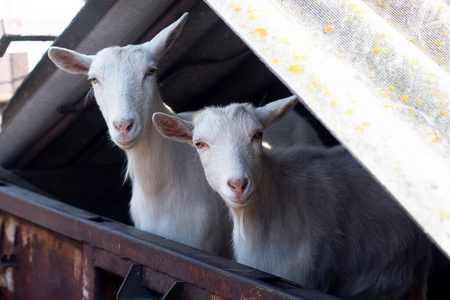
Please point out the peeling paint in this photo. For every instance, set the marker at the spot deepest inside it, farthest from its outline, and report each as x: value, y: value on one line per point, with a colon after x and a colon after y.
x: 77, y: 264
x: 7, y: 279
x: 86, y: 285
x: 10, y: 230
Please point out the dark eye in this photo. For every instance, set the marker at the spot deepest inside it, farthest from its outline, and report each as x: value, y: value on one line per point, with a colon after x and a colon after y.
x: 94, y: 80
x: 150, y: 72
x: 199, y: 145
x: 258, y: 135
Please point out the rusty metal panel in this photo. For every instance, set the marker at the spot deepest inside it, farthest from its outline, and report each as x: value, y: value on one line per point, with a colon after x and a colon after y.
x: 47, y: 265
x: 51, y: 250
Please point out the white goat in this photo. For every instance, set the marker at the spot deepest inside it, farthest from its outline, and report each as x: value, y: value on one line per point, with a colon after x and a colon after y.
x: 309, y: 214
x: 167, y: 199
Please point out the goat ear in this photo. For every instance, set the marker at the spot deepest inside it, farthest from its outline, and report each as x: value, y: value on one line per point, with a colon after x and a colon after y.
x: 173, y: 127
x: 164, y: 39
x: 70, y: 61
x: 275, y: 110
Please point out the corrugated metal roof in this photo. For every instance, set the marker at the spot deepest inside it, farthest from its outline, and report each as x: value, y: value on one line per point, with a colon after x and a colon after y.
x: 384, y: 97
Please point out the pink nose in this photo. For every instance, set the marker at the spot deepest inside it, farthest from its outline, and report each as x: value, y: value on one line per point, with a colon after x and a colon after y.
x: 123, y: 126
x: 238, y: 185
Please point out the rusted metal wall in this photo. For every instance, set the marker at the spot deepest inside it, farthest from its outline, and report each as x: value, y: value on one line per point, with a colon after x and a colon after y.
x: 37, y: 263
x: 50, y: 250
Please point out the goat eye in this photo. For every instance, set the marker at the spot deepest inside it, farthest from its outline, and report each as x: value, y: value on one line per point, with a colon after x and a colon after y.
x: 258, y: 135
x: 94, y: 80
x: 150, y: 72
x: 199, y: 145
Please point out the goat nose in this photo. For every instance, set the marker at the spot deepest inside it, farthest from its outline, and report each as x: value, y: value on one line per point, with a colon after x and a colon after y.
x: 123, y: 126
x: 238, y: 185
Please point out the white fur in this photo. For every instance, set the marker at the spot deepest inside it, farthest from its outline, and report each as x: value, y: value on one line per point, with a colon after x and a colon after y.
x: 170, y: 196
x: 309, y: 214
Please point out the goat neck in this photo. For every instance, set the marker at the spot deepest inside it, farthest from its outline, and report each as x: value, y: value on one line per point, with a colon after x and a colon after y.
x: 158, y: 168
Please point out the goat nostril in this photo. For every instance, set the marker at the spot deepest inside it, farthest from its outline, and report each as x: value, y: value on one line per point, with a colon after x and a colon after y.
x: 244, y: 183
x: 130, y: 126
x: 231, y: 184
x: 123, y: 126
x: 238, y: 185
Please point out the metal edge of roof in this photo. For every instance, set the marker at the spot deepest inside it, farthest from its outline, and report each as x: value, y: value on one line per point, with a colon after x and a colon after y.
x: 33, y: 109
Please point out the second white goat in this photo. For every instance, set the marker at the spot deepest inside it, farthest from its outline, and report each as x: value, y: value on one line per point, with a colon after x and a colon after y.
x: 311, y: 215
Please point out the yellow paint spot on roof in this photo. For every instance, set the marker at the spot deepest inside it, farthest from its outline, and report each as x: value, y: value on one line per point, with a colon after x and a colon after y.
x: 243, y: 25
x: 405, y: 98
x: 329, y: 29
x: 352, y: 6
x: 433, y: 74
x: 251, y: 17
x: 376, y: 50
x: 420, y: 102
x: 412, y: 111
x: 260, y: 31
x: 237, y: 9
x: 362, y: 127
x: 444, y: 112
x: 275, y: 60
x: 442, y: 213
x: 437, y: 42
x: 333, y: 103
x: 349, y: 111
x: 296, y: 69
x: 392, y: 87
x: 436, y: 138
x: 385, y: 94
